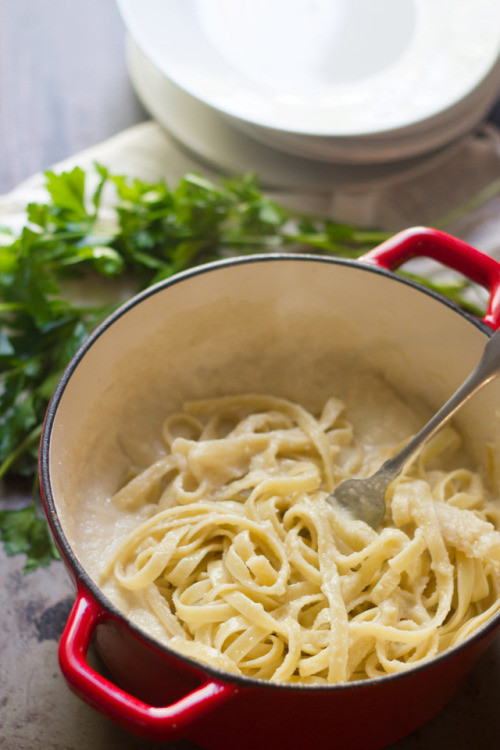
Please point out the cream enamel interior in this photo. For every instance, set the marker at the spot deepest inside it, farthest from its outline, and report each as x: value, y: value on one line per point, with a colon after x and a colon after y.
x: 285, y: 326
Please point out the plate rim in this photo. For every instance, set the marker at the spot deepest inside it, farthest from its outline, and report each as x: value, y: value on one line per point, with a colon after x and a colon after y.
x: 134, y: 15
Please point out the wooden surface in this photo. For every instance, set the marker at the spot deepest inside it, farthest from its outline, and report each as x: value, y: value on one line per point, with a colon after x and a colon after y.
x: 63, y: 82
x: 64, y: 87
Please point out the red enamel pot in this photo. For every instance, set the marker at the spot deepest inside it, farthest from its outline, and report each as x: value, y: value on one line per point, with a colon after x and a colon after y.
x: 274, y: 323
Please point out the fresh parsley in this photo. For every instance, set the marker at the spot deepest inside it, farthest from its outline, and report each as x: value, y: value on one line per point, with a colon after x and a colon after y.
x: 74, y: 241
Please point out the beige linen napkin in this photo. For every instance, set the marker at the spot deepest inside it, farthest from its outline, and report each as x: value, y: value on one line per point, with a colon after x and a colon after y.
x: 443, y: 183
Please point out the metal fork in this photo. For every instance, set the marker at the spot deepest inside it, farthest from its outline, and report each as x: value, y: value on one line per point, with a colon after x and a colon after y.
x: 365, y: 498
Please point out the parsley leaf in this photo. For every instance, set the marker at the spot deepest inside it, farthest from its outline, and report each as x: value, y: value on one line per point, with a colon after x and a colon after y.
x: 25, y: 531
x: 67, y: 191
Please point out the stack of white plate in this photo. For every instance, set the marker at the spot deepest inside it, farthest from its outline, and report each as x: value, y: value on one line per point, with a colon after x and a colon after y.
x: 316, y: 92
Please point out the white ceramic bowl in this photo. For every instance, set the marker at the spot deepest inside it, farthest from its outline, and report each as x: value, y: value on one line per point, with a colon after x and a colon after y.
x: 348, y: 68
x: 236, y: 148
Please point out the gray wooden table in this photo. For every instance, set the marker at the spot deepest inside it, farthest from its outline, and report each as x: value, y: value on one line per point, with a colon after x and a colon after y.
x: 64, y: 87
x: 63, y: 83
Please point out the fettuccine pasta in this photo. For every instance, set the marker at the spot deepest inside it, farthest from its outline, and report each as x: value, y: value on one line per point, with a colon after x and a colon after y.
x: 243, y: 564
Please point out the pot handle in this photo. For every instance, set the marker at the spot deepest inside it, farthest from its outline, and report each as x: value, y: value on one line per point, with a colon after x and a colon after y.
x: 452, y: 252
x: 159, y: 723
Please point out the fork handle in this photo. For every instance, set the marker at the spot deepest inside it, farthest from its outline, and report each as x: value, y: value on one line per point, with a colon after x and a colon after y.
x: 487, y: 368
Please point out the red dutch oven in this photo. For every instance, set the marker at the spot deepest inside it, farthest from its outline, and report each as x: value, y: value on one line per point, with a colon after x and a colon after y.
x: 279, y: 323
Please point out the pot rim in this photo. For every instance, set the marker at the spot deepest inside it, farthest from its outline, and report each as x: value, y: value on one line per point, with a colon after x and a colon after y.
x: 84, y: 580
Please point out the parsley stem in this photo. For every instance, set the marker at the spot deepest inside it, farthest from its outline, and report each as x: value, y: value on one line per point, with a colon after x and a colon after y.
x: 28, y: 441
x: 11, y: 306
x: 476, y: 202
